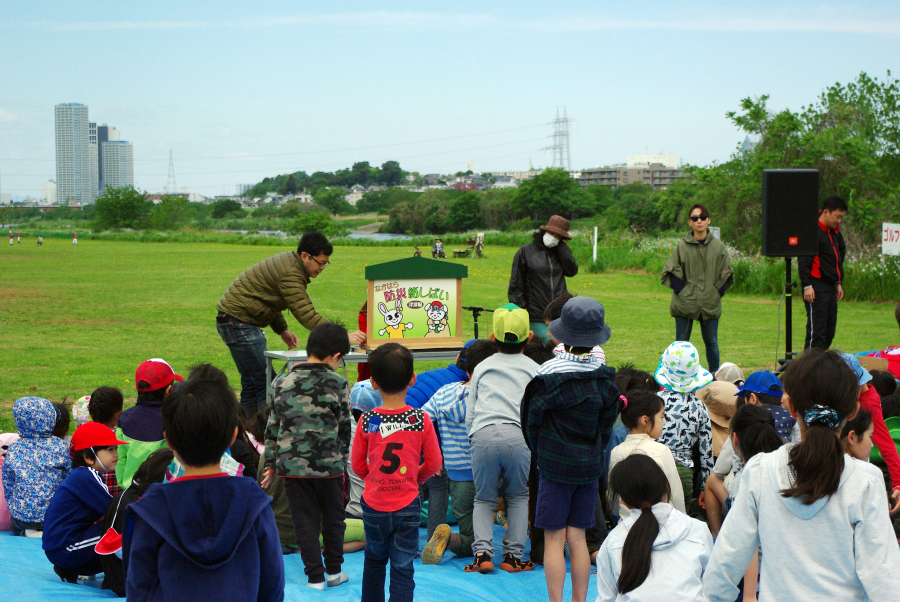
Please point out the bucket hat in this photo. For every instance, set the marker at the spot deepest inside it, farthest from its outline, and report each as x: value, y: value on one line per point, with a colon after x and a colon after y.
x: 581, y: 323
x: 680, y: 370
x: 557, y: 225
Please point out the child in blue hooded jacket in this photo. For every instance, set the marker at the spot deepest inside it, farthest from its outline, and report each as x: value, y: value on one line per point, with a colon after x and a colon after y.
x: 35, y: 465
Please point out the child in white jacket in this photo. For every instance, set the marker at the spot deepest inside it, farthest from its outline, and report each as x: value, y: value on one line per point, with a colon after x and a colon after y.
x: 656, y: 552
x: 819, y: 516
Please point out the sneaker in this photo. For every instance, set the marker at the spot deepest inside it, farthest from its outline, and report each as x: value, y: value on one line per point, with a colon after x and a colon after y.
x: 481, y: 565
x: 337, y: 579
x: 511, y: 564
x: 65, y: 574
x: 319, y: 586
x: 434, y: 549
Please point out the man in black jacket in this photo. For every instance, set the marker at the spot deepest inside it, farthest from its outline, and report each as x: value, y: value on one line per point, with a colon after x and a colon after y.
x: 539, y: 271
x: 822, y: 275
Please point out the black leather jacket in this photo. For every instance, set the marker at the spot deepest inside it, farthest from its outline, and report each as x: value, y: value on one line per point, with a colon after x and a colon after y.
x: 539, y: 276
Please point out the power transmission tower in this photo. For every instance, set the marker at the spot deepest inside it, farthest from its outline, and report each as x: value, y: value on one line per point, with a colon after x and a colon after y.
x: 560, y: 146
x: 170, y: 184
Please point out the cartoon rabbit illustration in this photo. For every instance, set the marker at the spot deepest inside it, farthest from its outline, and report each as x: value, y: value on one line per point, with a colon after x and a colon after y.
x: 393, y: 319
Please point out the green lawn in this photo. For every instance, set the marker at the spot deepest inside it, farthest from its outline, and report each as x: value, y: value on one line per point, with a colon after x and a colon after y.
x: 75, y: 318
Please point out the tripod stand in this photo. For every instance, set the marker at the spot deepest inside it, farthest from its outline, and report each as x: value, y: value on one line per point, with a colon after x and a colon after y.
x: 476, y: 311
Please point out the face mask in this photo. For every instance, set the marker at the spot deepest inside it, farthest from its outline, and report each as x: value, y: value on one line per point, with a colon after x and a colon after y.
x: 550, y: 241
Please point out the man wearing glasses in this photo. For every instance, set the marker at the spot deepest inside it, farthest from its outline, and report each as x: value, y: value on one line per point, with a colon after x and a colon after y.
x: 256, y: 299
x: 699, y: 272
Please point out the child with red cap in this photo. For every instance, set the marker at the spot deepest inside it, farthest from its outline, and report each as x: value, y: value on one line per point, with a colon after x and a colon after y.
x: 141, y: 426
x: 73, y: 521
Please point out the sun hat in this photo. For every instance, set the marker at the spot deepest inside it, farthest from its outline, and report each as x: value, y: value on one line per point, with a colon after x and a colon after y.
x: 557, y: 225
x: 157, y: 372
x: 511, y: 319
x: 729, y: 372
x: 94, y: 434
x: 862, y: 374
x: 762, y: 383
x: 718, y: 397
x: 581, y: 323
x: 679, y: 369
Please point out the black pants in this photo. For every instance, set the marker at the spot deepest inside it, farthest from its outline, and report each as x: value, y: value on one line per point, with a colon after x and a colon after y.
x: 317, y: 507
x: 821, y: 317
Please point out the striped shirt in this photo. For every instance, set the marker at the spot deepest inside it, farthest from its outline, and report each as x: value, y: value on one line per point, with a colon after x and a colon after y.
x: 569, y: 362
x: 447, y: 410
x: 596, y: 351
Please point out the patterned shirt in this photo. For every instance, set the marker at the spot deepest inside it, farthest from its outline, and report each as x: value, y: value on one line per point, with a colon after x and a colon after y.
x: 596, y: 351
x: 687, y: 422
x: 569, y: 362
x: 447, y: 410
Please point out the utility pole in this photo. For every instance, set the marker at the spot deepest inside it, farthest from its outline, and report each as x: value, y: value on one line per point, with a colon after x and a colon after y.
x: 170, y: 184
x: 560, y: 147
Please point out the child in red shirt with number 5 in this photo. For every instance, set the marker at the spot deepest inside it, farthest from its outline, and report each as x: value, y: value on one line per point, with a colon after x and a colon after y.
x: 388, y: 444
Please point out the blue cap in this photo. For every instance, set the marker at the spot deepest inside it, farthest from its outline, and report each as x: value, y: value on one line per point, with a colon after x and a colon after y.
x: 862, y: 374
x: 762, y: 383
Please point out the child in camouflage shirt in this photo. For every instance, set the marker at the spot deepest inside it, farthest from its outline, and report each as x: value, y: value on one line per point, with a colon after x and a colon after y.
x: 307, y: 441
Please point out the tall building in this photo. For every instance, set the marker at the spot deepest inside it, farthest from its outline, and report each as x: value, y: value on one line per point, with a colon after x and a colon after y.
x: 104, y: 133
x: 118, y: 163
x: 95, y: 167
x: 48, y: 192
x: 76, y: 167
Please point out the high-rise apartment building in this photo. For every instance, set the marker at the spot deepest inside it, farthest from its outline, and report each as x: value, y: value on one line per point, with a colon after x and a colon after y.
x: 118, y: 163
x: 76, y: 166
x: 104, y: 133
x: 95, y: 158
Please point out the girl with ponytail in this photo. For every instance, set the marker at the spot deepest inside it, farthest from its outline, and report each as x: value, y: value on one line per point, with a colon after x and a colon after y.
x: 820, y: 516
x: 656, y: 552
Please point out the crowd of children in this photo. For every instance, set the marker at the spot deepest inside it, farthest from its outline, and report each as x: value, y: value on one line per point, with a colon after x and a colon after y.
x: 777, y: 469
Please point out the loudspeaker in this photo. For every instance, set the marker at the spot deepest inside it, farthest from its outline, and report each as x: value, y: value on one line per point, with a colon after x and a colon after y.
x: 790, y: 210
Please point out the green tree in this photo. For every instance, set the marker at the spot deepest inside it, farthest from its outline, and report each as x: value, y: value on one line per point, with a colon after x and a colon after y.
x: 225, y: 207
x: 361, y: 173
x: 381, y: 201
x: 333, y: 200
x: 464, y: 213
x: 391, y: 174
x: 551, y: 192
x: 123, y: 207
x: 171, y: 213
x: 290, y: 186
x: 310, y: 221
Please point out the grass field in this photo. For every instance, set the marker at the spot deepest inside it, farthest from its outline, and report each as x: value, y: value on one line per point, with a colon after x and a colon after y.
x: 75, y: 318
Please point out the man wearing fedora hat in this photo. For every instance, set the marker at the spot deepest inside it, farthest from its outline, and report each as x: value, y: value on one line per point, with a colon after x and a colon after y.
x: 539, y: 271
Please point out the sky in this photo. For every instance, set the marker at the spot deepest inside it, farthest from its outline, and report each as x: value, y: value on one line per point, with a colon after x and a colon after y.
x: 240, y: 91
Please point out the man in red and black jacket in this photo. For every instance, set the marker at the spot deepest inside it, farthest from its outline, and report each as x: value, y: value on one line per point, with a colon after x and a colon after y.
x: 821, y: 276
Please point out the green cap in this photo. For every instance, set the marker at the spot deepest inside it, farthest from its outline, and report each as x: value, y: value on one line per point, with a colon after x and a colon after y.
x: 510, y: 319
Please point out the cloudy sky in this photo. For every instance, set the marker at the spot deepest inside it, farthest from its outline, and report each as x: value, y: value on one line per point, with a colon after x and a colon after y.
x: 239, y: 91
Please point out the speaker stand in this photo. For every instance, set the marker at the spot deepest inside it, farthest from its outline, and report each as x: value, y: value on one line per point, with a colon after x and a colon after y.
x: 788, y: 296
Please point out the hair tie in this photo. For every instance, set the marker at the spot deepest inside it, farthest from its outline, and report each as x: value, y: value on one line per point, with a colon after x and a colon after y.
x: 624, y: 401
x: 646, y: 506
x: 820, y: 414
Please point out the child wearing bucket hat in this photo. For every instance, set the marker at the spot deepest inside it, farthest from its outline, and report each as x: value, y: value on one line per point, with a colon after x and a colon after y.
x: 568, y: 413
x: 73, y: 522
x: 687, y: 420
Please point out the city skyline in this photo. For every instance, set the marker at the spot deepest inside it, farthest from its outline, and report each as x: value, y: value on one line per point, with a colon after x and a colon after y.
x: 243, y: 93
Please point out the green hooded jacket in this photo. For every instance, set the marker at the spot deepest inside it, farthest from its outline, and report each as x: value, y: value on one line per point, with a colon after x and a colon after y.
x: 704, y: 268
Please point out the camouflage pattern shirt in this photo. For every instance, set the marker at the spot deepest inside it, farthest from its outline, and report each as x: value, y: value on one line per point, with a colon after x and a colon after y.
x: 308, y: 433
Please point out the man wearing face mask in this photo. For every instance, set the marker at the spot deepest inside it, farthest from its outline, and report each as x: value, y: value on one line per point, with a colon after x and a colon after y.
x: 539, y: 271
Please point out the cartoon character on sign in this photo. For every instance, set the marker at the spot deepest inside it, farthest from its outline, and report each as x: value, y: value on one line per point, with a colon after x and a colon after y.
x: 437, y: 319
x: 393, y: 320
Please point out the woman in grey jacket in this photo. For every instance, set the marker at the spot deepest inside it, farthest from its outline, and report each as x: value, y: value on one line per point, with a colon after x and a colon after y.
x: 699, y: 272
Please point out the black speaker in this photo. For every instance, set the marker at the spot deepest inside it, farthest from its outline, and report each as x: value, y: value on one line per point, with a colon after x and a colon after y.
x: 790, y: 210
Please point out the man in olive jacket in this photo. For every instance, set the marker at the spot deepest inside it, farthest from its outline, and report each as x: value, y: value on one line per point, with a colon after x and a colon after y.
x: 256, y: 299
x: 699, y: 272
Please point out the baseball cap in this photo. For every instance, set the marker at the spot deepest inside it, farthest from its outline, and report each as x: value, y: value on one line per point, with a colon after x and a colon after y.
x: 581, y: 323
x: 157, y: 372
x: 862, y: 374
x: 94, y: 434
x: 729, y: 372
x: 762, y: 383
x: 510, y: 319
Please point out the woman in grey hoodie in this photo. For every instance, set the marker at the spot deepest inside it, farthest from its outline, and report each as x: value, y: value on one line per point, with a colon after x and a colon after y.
x: 819, y: 516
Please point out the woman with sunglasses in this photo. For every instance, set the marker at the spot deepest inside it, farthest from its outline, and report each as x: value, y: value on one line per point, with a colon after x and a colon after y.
x: 699, y: 272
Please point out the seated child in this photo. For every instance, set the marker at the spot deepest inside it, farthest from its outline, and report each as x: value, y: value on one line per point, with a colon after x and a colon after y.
x: 568, y: 411
x: 35, y: 465
x: 206, y: 535
x: 141, y: 426
x: 856, y: 436
x: 553, y: 312
x: 643, y: 414
x: 63, y: 420
x: 687, y: 421
x: 307, y: 442
x: 388, y: 445
x: 666, y: 551
x: 105, y: 406
x: 73, y: 523
x: 884, y: 382
x: 5, y: 520
x: 153, y: 470
x: 447, y: 410
x: 493, y: 421
x: 362, y: 399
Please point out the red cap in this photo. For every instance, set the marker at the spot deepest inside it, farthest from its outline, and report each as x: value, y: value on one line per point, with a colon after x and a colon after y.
x: 157, y: 372
x: 94, y: 434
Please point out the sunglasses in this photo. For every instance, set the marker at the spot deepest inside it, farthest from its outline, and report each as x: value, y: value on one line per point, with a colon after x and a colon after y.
x: 699, y: 218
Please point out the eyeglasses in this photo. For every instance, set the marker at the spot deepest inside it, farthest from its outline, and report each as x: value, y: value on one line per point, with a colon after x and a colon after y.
x: 699, y: 218
x: 322, y: 264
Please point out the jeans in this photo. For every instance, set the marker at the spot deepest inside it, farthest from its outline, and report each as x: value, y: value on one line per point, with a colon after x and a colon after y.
x: 390, y: 536
x: 499, y: 452
x: 709, y: 329
x: 247, y: 344
x: 438, y: 500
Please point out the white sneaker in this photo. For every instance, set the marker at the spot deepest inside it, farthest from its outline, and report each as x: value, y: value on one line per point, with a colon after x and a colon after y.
x: 34, y: 533
x: 335, y: 580
x: 319, y: 586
